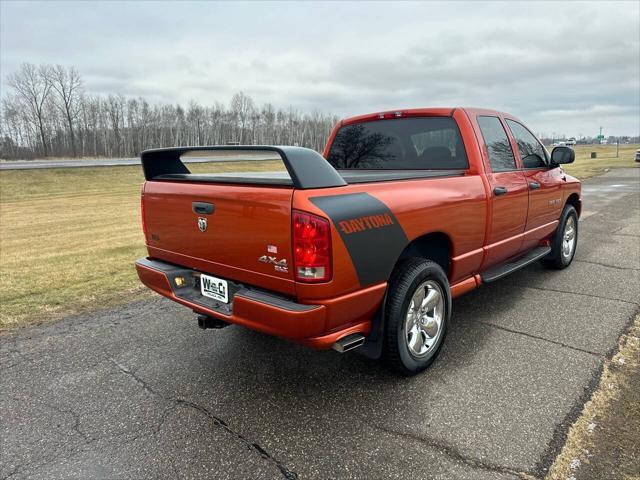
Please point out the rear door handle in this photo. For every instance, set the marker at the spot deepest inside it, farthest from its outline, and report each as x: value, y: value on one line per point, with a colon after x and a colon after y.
x: 534, y: 185
x: 202, y: 208
x: 499, y: 191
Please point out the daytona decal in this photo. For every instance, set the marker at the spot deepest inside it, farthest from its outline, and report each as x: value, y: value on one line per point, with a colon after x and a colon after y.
x: 370, y: 232
x: 364, y: 223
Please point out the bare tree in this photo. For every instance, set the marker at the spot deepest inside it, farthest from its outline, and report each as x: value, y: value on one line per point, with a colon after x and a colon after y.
x: 115, y: 111
x: 48, y: 111
x: 33, y: 86
x: 242, y: 108
x: 68, y: 86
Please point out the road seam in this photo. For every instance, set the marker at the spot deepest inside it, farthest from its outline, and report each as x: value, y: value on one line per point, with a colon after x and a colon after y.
x: 608, y: 266
x: 530, y: 335
x: 622, y: 227
x: 583, y: 295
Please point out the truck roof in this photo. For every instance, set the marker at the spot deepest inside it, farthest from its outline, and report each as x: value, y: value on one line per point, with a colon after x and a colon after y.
x: 418, y: 112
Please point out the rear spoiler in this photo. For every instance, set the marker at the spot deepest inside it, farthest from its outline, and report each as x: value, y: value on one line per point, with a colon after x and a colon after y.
x: 306, y: 167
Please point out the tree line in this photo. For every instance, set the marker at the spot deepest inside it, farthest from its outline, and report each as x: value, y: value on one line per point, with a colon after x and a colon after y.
x: 48, y: 113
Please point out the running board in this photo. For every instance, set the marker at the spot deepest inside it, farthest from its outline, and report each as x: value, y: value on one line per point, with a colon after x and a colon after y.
x: 505, y: 269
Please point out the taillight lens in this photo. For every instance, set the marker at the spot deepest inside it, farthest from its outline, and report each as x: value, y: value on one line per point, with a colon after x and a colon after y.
x: 144, y: 221
x: 311, y: 247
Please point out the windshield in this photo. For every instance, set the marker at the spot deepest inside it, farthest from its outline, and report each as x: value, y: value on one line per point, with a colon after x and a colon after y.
x: 423, y: 143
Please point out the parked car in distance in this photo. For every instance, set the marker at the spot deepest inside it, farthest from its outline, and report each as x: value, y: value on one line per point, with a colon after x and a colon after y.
x: 638, y: 155
x: 571, y: 142
x: 366, y: 246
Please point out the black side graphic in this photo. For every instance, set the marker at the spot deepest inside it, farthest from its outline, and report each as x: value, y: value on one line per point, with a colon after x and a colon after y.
x: 371, y: 233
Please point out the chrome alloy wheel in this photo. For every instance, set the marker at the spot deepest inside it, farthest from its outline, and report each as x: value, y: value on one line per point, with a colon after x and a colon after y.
x: 569, y: 238
x: 423, y: 323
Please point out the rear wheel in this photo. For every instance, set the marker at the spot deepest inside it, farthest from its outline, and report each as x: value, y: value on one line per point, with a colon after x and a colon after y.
x: 565, y: 240
x: 417, y: 313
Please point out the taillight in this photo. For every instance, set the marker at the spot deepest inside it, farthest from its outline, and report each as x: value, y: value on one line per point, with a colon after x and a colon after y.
x: 311, y: 247
x: 144, y: 221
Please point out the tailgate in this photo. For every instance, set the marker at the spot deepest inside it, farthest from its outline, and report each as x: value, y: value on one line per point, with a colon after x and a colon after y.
x: 238, y: 232
x: 236, y: 226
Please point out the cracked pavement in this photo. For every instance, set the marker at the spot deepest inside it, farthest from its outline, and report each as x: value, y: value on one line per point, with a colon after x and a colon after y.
x: 140, y: 392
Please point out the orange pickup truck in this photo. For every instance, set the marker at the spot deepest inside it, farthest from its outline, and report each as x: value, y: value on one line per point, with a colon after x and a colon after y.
x: 365, y: 246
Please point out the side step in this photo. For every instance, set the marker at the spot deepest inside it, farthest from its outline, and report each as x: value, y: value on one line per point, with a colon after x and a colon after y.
x: 505, y: 269
x: 349, y: 342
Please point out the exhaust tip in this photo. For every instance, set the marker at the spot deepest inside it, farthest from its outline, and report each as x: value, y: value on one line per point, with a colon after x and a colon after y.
x: 349, y: 342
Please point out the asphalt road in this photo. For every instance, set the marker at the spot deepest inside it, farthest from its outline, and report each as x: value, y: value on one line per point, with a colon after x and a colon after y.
x: 105, y: 162
x: 140, y: 392
x: 67, y: 163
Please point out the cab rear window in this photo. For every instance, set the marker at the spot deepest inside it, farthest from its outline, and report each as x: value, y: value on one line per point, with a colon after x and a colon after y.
x: 423, y: 143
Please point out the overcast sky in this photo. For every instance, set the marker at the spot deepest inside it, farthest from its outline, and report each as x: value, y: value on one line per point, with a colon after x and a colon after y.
x: 561, y: 67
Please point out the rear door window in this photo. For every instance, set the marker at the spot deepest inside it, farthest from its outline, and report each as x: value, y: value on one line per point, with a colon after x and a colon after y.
x: 418, y: 143
x: 501, y: 156
x: 532, y: 153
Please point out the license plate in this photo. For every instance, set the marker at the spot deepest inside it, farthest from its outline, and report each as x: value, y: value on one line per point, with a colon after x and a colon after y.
x: 215, y: 288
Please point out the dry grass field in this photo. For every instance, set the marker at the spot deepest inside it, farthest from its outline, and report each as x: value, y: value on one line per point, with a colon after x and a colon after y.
x: 68, y: 237
x: 585, y: 166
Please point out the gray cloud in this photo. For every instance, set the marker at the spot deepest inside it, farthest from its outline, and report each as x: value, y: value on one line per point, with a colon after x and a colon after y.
x: 563, y: 67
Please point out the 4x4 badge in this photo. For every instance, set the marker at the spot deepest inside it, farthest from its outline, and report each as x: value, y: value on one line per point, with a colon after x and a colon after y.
x: 278, y: 265
x: 202, y: 224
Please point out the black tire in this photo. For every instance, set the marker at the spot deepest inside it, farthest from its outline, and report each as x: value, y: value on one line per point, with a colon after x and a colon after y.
x: 556, y: 260
x: 404, y: 283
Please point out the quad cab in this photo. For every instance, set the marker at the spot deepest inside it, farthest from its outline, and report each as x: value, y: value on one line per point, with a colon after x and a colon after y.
x: 365, y: 246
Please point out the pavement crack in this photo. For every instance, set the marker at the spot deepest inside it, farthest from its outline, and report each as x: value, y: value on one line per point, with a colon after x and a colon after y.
x: 217, y: 421
x: 75, y: 426
x: 165, y: 414
x: 607, y: 265
x: 537, y: 337
x: 590, y: 295
x: 76, y: 422
x: 42, y: 461
x: 455, y: 454
x: 13, y: 472
x: 133, y: 375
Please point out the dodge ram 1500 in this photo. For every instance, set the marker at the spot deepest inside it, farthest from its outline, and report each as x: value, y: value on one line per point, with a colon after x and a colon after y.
x: 365, y: 246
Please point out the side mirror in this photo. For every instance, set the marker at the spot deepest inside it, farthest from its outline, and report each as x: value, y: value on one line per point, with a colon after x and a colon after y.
x: 562, y: 155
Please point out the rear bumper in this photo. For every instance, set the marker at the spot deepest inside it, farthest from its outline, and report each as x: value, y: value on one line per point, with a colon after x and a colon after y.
x: 253, y: 308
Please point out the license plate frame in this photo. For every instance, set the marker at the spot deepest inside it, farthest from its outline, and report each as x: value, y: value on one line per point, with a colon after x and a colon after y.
x: 215, y: 288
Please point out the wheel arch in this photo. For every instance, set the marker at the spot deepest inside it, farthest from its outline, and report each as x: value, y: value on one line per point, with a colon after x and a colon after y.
x: 575, y: 202
x: 435, y: 246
